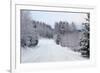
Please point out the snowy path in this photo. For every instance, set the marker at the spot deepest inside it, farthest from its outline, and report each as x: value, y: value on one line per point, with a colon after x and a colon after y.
x: 47, y: 50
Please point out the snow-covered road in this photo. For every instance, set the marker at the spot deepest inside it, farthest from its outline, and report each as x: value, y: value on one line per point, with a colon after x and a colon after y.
x: 47, y: 51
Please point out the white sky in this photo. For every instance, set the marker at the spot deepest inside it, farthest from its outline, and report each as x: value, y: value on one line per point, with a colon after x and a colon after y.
x: 52, y: 17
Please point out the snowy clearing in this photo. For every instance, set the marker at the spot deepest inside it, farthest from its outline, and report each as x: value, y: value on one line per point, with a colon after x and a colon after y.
x: 47, y: 51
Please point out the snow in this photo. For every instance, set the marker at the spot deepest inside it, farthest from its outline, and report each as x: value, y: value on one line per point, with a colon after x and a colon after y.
x: 47, y: 51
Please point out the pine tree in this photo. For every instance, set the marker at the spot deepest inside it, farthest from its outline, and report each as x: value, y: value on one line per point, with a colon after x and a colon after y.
x: 73, y: 27
x: 84, y: 43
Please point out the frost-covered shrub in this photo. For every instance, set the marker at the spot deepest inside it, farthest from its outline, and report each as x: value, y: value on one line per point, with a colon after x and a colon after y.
x: 33, y: 42
x: 29, y: 41
x: 23, y: 43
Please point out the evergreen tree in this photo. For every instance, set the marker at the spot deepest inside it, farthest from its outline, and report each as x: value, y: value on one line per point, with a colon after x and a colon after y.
x: 73, y: 27
x: 84, y: 43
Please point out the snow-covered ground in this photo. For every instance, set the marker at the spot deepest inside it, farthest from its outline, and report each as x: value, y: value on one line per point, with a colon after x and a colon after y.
x: 47, y: 51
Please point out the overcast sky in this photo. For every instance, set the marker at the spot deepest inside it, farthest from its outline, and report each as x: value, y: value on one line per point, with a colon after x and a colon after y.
x: 52, y: 17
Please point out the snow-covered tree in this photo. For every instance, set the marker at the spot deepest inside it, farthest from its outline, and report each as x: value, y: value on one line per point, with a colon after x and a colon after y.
x: 61, y: 28
x: 84, y: 43
x: 28, y: 33
x: 73, y: 27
